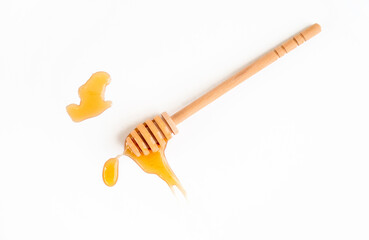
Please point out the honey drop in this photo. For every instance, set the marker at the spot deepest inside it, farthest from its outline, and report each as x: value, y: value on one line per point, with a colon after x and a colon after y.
x: 110, y: 172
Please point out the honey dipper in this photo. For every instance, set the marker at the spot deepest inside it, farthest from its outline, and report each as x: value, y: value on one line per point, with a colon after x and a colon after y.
x: 152, y: 135
x: 147, y: 142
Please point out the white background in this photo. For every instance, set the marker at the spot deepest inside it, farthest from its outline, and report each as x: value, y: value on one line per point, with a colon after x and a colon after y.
x: 282, y: 156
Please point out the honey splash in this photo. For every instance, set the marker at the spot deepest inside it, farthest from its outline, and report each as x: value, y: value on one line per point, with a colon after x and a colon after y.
x: 92, y: 95
x: 153, y: 163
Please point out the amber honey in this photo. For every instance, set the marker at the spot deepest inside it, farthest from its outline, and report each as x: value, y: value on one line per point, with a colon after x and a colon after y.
x: 92, y: 95
x: 156, y: 163
x: 92, y: 104
x: 110, y: 171
x: 153, y: 163
x: 146, y: 146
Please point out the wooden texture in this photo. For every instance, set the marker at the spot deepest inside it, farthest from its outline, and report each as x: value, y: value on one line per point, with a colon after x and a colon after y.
x: 245, y: 73
x: 156, y: 132
x: 152, y: 135
x: 170, y: 122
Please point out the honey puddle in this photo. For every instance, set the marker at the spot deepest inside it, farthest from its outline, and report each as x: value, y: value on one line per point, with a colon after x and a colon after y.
x: 92, y: 98
x: 153, y: 163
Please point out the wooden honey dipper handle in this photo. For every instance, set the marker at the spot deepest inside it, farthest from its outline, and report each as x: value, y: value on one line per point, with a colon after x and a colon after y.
x: 245, y: 73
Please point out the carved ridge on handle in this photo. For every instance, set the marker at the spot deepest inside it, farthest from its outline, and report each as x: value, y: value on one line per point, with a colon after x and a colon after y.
x: 247, y: 72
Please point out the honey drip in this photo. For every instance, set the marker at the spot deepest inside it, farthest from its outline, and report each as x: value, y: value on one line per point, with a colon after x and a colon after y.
x: 92, y: 98
x: 156, y: 163
x: 153, y: 163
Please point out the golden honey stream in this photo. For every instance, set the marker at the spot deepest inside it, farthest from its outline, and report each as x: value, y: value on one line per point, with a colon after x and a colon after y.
x: 153, y: 163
